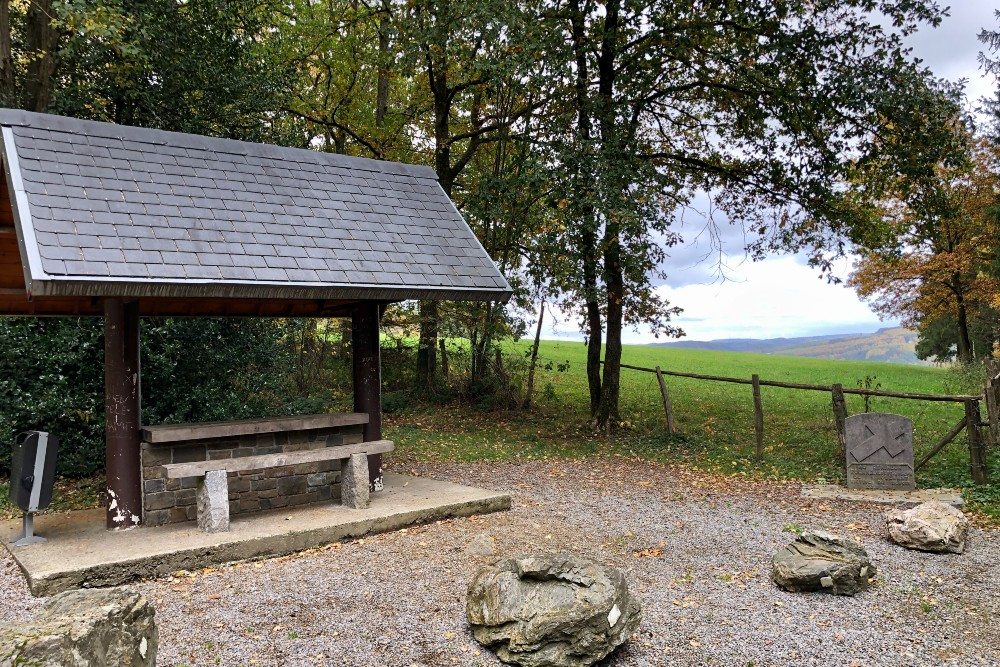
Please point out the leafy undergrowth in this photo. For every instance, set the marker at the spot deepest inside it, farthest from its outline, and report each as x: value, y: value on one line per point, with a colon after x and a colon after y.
x: 69, y: 494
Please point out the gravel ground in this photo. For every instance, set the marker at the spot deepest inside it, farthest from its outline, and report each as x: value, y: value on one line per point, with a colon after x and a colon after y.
x: 695, y: 548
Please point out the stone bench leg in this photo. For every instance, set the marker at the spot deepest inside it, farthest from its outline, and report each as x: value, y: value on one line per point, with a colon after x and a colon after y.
x: 213, y: 502
x: 354, y: 482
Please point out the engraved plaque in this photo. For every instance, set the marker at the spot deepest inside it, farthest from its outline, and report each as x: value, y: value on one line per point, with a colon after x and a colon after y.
x: 880, y: 452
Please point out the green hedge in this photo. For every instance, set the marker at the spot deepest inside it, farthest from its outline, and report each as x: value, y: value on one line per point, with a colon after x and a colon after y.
x: 52, y: 378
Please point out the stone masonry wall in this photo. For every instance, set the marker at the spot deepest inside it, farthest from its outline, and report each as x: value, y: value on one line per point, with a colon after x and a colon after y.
x: 173, y: 500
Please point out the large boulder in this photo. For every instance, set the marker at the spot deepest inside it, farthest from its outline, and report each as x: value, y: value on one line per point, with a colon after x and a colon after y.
x: 931, y: 526
x: 820, y: 561
x: 85, y: 628
x: 555, y: 610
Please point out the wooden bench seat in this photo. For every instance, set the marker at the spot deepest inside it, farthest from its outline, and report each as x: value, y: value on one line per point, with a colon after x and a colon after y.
x: 264, y: 461
x: 213, y: 485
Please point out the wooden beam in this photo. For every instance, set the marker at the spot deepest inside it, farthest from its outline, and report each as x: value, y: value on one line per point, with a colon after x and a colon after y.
x: 122, y: 413
x: 758, y: 417
x: 16, y: 303
x: 813, y: 387
x: 840, y: 420
x: 207, y: 431
x: 991, y: 392
x: 368, y: 379
x: 668, y: 406
x: 977, y: 448
x: 949, y: 436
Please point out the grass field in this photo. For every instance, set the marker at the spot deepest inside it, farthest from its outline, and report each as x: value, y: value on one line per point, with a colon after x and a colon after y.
x: 716, y: 419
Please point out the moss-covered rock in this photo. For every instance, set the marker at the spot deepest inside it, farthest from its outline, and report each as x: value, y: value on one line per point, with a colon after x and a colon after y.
x: 85, y: 628
x: 551, y: 610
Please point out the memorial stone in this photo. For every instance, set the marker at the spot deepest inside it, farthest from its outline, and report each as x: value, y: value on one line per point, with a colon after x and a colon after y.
x: 880, y: 452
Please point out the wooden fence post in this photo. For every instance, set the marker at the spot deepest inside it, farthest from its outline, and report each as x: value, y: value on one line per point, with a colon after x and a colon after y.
x: 758, y: 416
x: 992, y: 394
x: 668, y: 408
x: 840, y: 420
x: 977, y: 449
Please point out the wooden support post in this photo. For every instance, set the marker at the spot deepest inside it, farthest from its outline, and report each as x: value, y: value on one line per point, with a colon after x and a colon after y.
x: 992, y: 394
x: 368, y: 379
x: 840, y: 420
x: 758, y: 416
x: 122, y: 413
x: 668, y: 407
x: 977, y: 448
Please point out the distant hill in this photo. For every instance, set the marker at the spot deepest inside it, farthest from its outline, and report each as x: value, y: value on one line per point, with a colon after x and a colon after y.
x: 894, y: 344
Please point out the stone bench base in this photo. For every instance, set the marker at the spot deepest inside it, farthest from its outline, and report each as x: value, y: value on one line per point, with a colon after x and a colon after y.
x: 213, y: 493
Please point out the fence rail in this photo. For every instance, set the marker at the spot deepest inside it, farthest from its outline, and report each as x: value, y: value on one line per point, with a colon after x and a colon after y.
x: 972, y: 421
x: 952, y: 398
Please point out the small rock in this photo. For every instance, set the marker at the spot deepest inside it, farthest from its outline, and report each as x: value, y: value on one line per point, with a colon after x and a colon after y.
x: 481, y: 545
x: 551, y: 610
x: 930, y: 526
x: 85, y: 628
x: 820, y: 561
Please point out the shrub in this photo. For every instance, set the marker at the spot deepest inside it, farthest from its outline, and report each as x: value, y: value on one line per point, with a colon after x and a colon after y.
x: 397, y: 401
x: 209, y: 369
x: 52, y: 378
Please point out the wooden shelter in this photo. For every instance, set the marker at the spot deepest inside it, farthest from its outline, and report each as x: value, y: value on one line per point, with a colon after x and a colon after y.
x: 98, y: 219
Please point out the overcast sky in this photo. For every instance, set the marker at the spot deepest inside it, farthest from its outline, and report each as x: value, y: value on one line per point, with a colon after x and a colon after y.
x: 781, y: 296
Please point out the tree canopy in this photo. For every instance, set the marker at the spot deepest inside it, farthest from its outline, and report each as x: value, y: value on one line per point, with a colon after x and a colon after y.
x: 570, y: 133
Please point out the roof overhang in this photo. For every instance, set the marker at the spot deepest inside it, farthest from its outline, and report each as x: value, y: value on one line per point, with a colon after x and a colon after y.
x: 60, y: 286
x: 29, y: 286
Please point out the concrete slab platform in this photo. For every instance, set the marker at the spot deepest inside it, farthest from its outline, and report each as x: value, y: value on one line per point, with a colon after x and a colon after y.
x: 79, y: 552
x: 882, y: 496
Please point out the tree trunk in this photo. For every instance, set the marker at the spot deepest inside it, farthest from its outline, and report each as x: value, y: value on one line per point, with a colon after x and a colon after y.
x: 529, y: 390
x: 427, y: 347
x: 42, y: 40
x: 444, y: 358
x: 8, y: 94
x: 481, y: 347
x: 607, y: 412
x: 429, y: 311
x: 588, y: 238
x: 614, y: 281
x: 382, y: 89
x: 595, y: 327
x: 964, y: 339
x: 595, y: 343
x: 305, y: 374
x: 344, y: 346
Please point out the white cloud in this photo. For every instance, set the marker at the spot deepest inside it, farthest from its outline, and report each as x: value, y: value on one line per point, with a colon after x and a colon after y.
x: 778, y: 297
x: 769, y: 299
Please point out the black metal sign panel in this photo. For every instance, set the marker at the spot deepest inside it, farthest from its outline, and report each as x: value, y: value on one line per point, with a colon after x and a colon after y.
x: 33, y: 470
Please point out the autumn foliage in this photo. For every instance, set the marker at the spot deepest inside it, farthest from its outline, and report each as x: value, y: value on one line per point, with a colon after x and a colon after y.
x: 939, y: 271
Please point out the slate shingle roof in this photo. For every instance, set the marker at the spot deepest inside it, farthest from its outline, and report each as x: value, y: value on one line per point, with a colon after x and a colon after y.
x: 111, y: 210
